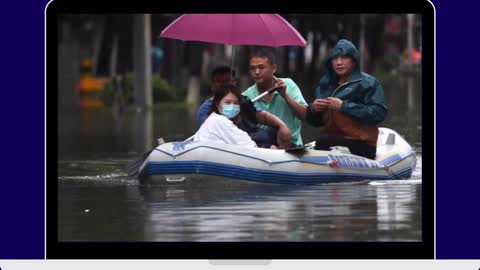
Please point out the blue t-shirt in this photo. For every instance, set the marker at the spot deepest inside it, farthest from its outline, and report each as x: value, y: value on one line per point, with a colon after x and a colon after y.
x: 202, y: 112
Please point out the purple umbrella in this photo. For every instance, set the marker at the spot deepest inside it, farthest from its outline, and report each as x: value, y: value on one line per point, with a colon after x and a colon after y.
x: 235, y: 29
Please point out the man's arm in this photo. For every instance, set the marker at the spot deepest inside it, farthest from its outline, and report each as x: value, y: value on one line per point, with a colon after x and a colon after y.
x: 314, y: 112
x: 298, y: 109
x: 284, y: 135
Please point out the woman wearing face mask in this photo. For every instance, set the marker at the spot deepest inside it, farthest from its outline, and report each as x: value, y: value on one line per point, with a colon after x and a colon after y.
x: 221, y: 124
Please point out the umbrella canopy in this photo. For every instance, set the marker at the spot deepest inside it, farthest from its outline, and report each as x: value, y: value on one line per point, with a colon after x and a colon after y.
x: 235, y: 29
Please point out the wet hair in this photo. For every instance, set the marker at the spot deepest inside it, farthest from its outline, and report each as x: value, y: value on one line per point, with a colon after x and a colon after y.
x: 221, y: 93
x: 220, y: 70
x: 264, y: 52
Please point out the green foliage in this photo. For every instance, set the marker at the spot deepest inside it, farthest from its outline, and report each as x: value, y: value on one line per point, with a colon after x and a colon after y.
x: 169, y: 106
x: 162, y: 91
x: 106, y: 93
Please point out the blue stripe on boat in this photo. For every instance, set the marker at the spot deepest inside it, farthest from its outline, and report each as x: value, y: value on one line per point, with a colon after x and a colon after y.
x: 315, y: 159
x: 258, y: 175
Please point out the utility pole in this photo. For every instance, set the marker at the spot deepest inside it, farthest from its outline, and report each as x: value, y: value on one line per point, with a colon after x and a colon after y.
x: 142, y: 62
x: 410, y: 20
x: 362, y: 42
x: 114, y: 57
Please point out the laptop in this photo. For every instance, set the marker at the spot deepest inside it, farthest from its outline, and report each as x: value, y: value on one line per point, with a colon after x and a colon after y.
x: 98, y: 60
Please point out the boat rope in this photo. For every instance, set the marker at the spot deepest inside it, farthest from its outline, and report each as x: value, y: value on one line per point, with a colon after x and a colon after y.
x: 387, y: 168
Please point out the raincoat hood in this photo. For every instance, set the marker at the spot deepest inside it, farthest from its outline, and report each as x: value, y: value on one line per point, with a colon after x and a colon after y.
x: 362, y: 95
x: 344, y: 48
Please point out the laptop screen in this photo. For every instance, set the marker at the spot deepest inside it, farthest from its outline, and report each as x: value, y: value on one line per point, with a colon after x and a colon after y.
x: 330, y: 166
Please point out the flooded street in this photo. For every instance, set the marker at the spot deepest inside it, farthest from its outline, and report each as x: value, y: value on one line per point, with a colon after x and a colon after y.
x: 99, y: 202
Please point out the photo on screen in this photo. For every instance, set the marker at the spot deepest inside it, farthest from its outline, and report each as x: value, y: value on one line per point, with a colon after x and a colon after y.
x: 178, y: 133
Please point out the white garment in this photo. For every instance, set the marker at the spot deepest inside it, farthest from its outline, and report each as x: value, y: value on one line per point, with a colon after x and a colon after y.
x: 218, y: 128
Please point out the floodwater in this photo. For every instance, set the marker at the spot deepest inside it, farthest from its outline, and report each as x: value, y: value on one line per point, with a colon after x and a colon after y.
x: 99, y: 202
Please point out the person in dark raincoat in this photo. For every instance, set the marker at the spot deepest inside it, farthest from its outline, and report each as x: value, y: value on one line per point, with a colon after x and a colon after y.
x: 348, y: 105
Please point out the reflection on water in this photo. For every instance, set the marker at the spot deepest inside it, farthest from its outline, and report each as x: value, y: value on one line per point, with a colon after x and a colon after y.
x: 332, y: 212
x: 97, y: 201
x: 397, y: 204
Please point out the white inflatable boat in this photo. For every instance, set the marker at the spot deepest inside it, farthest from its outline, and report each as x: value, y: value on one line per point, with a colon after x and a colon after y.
x: 175, y: 161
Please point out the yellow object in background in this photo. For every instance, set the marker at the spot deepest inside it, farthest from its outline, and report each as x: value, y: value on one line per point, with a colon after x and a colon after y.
x: 87, y: 86
x: 90, y: 84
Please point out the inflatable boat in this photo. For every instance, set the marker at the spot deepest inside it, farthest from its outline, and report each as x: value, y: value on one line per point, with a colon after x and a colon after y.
x: 178, y: 161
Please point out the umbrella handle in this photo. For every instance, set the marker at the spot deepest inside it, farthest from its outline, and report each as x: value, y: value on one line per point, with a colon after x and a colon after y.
x: 269, y: 91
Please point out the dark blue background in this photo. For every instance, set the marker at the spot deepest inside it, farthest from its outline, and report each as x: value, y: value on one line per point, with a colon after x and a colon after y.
x: 22, y: 131
x: 22, y: 110
x: 457, y: 185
